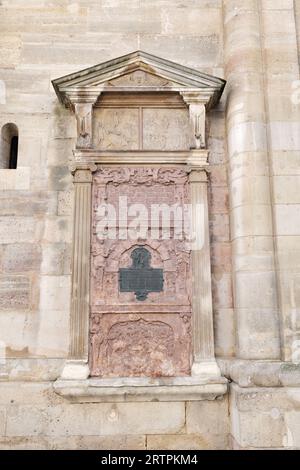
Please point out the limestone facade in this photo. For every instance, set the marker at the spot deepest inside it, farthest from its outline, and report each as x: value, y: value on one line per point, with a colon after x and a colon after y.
x: 246, y: 280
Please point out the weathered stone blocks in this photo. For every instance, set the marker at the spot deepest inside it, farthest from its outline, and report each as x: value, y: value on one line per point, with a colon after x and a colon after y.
x: 264, y: 418
x: 20, y: 257
x: 20, y: 229
x: 209, y: 420
x: 14, y: 293
x: 95, y: 419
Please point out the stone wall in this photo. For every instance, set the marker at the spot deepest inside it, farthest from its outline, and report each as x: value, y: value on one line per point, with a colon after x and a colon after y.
x: 254, y: 45
x: 33, y: 416
x: 65, y: 37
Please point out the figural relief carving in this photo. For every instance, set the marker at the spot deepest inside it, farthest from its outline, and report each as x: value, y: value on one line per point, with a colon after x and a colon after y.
x: 129, y: 343
x: 166, y: 129
x: 133, y: 128
x: 140, y: 345
x: 116, y: 128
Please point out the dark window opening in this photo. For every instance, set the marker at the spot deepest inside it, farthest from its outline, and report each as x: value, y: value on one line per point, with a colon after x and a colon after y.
x: 9, y: 140
x: 13, y: 156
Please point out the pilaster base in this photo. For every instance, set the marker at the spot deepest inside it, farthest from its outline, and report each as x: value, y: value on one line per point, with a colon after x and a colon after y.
x: 206, y: 369
x: 75, y: 370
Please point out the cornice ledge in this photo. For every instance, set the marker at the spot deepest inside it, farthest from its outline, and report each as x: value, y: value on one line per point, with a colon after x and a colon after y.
x: 260, y: 373
x: 94, y: 79
x: 193, y: 158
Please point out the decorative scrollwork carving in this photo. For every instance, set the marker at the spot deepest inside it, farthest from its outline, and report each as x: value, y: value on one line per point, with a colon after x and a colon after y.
x: 136, y: 176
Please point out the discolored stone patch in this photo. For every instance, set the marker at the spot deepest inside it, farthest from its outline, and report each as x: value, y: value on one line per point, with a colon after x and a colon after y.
x: 18, y: 258
x: 14, y: 292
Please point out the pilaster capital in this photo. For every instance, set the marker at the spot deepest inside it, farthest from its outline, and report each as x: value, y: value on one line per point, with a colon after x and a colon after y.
x: 87, y: 96
x: 196, y: 97
x: 82, y: 172
x: 198, y: 159
x: 197, y: 174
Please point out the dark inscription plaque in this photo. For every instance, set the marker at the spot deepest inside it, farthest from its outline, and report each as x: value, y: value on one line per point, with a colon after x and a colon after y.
x: 140, y: 278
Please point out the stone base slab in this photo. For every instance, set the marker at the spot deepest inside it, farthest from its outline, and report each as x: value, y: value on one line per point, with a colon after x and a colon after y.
x: 140, y: 389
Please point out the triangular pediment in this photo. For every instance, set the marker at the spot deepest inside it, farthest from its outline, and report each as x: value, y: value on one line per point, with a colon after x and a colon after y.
x: 138, y: 71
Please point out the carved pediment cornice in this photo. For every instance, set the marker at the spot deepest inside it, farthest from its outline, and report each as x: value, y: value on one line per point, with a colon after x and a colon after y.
x: 137, y: 72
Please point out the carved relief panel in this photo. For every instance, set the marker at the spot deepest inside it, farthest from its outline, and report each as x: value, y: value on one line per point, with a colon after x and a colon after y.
x: 116, y: 128
x: 158, y: 122
x: 133, y: 333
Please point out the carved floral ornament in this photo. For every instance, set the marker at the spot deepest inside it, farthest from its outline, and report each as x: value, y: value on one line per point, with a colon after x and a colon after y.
x: 145, y: 176
x: 138, y: 72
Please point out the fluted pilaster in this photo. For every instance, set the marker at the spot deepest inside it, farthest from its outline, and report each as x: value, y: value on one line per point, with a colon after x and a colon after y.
x: 81, y: 264
x: 203, y: 338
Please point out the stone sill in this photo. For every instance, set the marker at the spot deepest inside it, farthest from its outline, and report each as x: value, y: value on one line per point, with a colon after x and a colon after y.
x: 140, y: 389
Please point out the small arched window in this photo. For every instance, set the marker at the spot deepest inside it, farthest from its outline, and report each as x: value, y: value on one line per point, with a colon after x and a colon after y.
x: 9, y: 146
